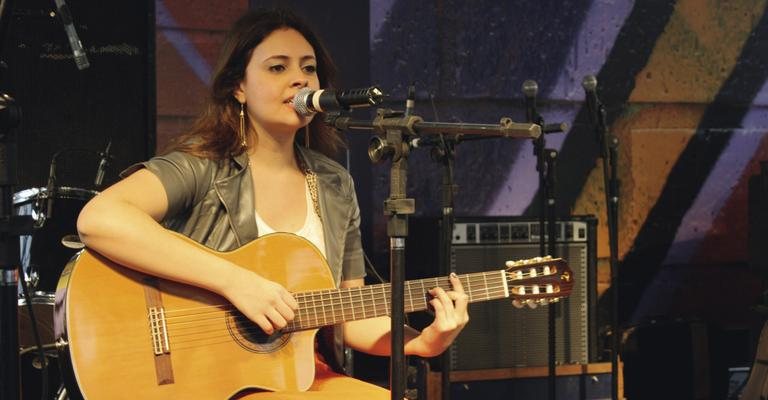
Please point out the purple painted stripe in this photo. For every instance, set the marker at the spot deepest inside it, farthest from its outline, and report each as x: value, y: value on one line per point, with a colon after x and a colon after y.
x: 378, y: 13
x: 181, y: 43
x: 719, y: 186
x: 588, y: 53
x: 522, y: 182
x: 761, y: 99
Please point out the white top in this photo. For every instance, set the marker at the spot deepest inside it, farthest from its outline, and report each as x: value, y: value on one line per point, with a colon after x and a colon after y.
x: 312, y: 229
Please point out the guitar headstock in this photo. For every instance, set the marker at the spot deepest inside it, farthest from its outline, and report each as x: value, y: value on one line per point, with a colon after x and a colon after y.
x: 539, y: 280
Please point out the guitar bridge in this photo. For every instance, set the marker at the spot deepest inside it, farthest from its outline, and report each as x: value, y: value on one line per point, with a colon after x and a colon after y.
x: 158, y: 331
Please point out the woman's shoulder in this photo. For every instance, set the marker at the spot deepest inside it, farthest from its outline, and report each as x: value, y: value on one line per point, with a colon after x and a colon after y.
x: 328, y: 170
x: 319, y: 162
x: 188, y: 163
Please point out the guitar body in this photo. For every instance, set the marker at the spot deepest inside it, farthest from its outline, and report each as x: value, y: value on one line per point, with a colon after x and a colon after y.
x: 122, y: 334
x: 101, y: 315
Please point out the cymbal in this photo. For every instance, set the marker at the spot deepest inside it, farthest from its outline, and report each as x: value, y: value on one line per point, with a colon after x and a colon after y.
x: 72, y: 242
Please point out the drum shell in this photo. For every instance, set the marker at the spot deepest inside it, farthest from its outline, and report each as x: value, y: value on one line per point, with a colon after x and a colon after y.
x: 30, y: 361
x: 42, y: 252
x: 42, y: 307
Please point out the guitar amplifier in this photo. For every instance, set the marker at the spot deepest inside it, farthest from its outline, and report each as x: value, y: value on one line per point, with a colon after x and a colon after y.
x: 500, y: 335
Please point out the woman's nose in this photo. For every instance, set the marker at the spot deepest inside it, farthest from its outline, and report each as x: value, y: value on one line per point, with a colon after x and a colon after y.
x: 300, y: 82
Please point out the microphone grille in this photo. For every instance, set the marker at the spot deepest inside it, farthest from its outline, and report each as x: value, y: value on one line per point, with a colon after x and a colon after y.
x: 530, y: 88
x: 589, y: 83
x: 300, y: 102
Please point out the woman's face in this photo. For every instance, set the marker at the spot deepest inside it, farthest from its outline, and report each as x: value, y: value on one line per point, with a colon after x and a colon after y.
x: 280, y: 65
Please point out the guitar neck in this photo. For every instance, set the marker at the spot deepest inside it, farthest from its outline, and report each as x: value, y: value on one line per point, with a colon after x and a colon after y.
x: 332, y: 306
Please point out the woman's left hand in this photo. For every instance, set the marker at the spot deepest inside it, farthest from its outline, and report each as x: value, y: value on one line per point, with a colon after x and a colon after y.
x: 450, y: 318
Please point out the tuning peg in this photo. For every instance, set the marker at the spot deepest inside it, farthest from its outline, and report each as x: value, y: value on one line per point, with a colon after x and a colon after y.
x: 517, y: 275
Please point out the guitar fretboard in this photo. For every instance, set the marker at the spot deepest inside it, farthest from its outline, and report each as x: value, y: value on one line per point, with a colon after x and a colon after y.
x: 333, y: 306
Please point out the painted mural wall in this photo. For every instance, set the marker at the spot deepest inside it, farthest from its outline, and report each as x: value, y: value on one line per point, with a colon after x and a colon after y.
x: 684, y: 87
x: 683, y: 83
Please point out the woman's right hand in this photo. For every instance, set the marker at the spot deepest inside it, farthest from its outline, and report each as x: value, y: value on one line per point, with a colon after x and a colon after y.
x: 264, y: 302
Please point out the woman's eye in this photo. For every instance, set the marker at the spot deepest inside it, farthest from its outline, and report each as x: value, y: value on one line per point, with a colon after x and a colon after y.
x: 277, y: 68
x: 310, y: 69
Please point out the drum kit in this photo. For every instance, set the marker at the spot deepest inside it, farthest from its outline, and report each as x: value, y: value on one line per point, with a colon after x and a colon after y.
x: 43, y: 255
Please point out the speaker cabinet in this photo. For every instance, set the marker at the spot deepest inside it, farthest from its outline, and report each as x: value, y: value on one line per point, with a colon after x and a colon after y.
x: 74, y: 114
x: 500, y: 335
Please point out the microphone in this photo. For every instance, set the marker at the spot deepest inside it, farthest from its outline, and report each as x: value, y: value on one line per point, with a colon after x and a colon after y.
x: 103, y: 163
x: 596, y: 109
x: 81, y: 59
x: 589, y: 83
x: 50, y: 187
x: 308, y: 101
x: 410, y: 101
x: 530, y: 90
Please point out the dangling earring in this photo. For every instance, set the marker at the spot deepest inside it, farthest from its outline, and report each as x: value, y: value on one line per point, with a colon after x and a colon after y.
x: 306, y: 136
x: 242, y: 125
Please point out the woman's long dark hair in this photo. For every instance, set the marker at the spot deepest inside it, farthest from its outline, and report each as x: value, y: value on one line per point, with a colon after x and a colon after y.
x: 215, y: 134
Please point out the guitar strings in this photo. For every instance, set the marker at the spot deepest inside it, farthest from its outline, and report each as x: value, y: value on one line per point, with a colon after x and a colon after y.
x: 307, y: 297
x: 202, y: 325
x: 342, y: 308
x: 337, y: 299
x: 340, y: 304
x: 323, y: 304
x: 253, y: 328
x: 224, y: 330
x: 348, y: 310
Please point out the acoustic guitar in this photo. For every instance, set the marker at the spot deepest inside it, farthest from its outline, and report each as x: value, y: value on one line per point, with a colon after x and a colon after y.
x: 124, y: 334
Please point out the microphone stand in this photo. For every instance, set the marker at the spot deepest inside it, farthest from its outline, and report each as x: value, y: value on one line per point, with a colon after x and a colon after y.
x: 398, y: 208
x: 442, y: 152
x: 550, y: 157
x: 611, y: 181
x: 395, y: 132
x: 608, y: 145
x: 544, y: 162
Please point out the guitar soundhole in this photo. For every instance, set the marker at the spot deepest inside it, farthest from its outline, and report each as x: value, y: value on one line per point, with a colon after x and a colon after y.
x: 251, y: 337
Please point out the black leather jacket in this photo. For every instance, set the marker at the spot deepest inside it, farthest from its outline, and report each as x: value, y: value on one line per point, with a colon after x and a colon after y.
x: 211, y: 201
